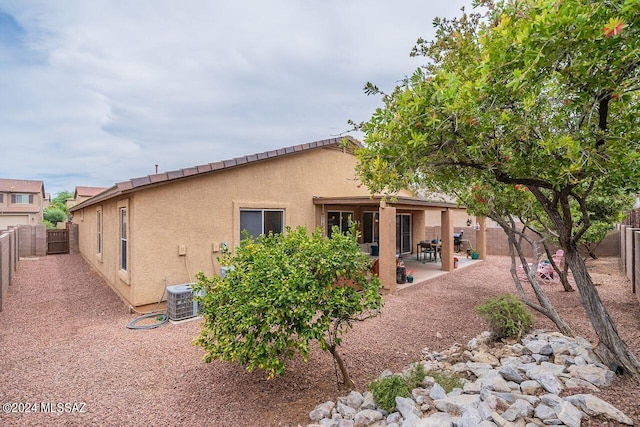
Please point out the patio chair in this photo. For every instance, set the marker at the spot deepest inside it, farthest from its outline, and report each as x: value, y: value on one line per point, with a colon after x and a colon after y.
x: 545, y: 272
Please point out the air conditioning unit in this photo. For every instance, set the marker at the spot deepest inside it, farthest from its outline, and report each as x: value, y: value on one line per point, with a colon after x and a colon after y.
x: 180, y: 303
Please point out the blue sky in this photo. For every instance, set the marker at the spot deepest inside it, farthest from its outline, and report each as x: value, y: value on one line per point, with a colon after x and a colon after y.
x: 97, y: 92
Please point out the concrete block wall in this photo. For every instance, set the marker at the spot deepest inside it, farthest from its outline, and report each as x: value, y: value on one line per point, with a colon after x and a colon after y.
x: 498, y: 244
x: 8, y: 261
x: 33, y: 240
x: 74, y: 243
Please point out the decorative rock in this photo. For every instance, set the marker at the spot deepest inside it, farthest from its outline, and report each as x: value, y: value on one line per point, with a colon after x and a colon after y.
x: 322, y: 411
x: 470, y: 418
x: 494, y: 381
x: 455, y: 404
x: 509, y: 373
x: 545, y: 412
x: 437, y: 392
x: 547, y: 380
x: 355, y: 399
x: 600, y: 377
x: 368, y: 402
x: 530, y: 387
x: 367, y: 417
x: 394, y: 417
x: 579, y: 383
x: 407, y: 406
x: 346, y: 411
x: 519, y: 409
x: 520, y: 372
x: 569, y: 414
x: 594, y: 406
x: 479, y: 369
x: 439, y: 419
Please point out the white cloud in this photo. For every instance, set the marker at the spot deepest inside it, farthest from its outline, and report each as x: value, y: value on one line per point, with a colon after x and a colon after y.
x: 98, y: 92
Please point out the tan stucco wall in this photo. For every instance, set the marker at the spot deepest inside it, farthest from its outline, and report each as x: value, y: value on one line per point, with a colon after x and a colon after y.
x: 204, y: 210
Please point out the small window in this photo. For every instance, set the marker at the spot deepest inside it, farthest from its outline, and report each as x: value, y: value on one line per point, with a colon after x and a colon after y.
x: 22, y: 199
x: 99, y: 231
x: 342, y: 220
x: 261, y: 221
x: 1, y: 198
x: 123, y: 239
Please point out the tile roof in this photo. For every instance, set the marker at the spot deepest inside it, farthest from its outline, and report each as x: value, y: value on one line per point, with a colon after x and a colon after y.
x: 88, y: 191
x: 165, y: 177
x: 21, y: 186
x: 227, y: 164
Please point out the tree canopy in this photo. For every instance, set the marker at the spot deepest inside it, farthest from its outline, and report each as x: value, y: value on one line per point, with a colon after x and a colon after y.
x: 538, y: 93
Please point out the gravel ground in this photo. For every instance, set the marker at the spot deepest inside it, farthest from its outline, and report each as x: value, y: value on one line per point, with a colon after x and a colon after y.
x: 63, y: 339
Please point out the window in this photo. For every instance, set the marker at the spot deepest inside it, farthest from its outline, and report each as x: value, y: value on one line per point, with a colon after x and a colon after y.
x: 99, y: 231
x: 370, y: 227
x: 1, y: 198
x: 22, y: 199
x: 342, y: 220
x: 261, y: 221
x: 123, y: 239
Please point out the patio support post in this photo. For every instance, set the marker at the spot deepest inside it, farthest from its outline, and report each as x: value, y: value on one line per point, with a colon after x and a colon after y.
x: 481, y: 237
x: 447, y: 240
x: 387, y: 250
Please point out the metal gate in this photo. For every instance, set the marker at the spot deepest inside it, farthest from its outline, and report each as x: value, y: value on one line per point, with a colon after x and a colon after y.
x: 57, y: 242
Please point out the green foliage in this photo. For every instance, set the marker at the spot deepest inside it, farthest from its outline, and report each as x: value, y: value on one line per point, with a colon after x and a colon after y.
x: 61, y: 198
x: 386, y: 389
x: 282, y: 294
x: 507, y: 316
x: 447, y: 380
x: 55, y: 215
x: 48, y: 224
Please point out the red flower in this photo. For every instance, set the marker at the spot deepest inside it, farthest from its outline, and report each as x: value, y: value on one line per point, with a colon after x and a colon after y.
x: 613, y: 27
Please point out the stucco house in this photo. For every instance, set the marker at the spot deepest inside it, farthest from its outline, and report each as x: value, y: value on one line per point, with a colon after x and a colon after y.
x: 21, y: 202
x: 158, y: 230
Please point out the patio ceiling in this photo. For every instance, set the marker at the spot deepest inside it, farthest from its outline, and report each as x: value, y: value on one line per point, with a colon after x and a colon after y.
x: 399, y: 201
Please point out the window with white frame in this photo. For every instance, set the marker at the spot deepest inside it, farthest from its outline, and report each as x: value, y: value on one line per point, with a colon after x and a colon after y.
x: 261, y: 221
x: 99, y: 231
x: 22, y: 199
x: 340, y: 219
x: 123, y: 239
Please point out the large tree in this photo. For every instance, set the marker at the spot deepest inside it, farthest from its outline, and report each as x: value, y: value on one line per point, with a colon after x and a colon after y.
x: 540, y: 93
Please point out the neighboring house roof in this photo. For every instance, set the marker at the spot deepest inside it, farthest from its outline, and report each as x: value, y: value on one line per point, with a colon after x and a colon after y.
x: 21, y: 186
x: 88, y: 191
x: 136, y: 184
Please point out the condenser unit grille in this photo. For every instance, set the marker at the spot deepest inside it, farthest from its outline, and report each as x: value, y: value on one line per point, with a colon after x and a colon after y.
x: 180, y: 304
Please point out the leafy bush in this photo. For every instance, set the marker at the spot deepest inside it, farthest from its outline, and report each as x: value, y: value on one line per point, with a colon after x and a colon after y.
x: 283, y: 294
x: 386, y: 389
x: 507, y: 316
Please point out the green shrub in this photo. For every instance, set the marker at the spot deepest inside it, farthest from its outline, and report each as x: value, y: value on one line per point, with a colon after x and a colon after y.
x: 448, y: 381
x: 507, y: 316
x: 386, y: 389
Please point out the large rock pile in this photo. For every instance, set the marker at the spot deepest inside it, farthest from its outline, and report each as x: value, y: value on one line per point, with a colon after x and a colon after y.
x: 520, y: 384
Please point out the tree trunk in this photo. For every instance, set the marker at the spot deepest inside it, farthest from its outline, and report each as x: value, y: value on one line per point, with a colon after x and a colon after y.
x: 545, y: 308
x: 611, y: 349
x: 343, y: 369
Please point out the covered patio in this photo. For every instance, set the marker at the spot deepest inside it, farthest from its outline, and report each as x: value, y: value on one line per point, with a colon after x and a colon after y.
x: 395, y: 226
